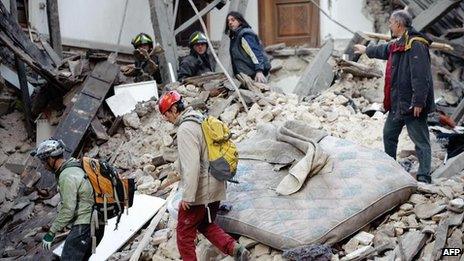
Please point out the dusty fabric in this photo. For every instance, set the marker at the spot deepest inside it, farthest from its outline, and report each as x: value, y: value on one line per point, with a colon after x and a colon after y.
x: 279, y: 148
x: 294, y: 141
x: 197, y: 185
x: 314, y: 160
x: 316, y: 252
x: 364, y: 184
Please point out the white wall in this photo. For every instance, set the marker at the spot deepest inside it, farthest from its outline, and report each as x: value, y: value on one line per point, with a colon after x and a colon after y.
x: 95, y: 23
x: 347, y: 12
x: 217, y: 19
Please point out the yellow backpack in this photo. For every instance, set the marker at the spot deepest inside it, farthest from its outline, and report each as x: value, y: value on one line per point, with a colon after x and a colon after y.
x: 222, y: 151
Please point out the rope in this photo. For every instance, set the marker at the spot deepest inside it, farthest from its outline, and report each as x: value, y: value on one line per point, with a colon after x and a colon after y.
x: 216, y: 57
x: 331, y: 19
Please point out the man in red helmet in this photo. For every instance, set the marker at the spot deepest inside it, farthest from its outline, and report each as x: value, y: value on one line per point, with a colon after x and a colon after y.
x: 201, y: 193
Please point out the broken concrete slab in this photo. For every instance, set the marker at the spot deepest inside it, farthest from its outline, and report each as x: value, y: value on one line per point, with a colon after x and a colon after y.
x: 364, y: 238
x: 452, y: 167
x: 12, y: 78
x: 455, y: 219
x: 131, y: 120
x: 54, y: 201
x: 317, y: 70
x: 44, y: 130
x: 427, y: 210
x: 359, y: 254
x: 440, y: 238
x: 247, y: 242
x: 412, y: 243
x: 121, y: 103
x: 140, y: 91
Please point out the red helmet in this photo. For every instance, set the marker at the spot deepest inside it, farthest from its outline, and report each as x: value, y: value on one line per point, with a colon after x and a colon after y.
x: 167, y: 100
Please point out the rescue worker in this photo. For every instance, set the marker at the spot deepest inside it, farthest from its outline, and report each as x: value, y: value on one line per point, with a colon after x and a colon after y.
x: 201, y: 192
x: 145, y: 53
x: 246, y: 51
x: 77, y: 201
x: 199, y: 61
x: 408, y: 89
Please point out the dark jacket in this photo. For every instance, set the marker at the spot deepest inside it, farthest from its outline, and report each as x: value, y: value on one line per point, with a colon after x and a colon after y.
x: 408, y: 77
x: 195, y: 64
x: 247, y: 54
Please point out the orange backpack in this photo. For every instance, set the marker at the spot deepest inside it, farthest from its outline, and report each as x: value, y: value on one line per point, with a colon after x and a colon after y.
x: 112, y: 194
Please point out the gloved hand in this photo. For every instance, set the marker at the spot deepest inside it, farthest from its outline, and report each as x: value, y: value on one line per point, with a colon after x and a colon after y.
x: 47, y: 240
x: 141, y: 54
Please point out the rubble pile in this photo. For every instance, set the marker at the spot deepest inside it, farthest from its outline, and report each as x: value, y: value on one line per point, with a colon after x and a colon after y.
x: 144, y: 148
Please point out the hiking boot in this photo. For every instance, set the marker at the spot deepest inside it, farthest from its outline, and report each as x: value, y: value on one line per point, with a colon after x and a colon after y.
x: 424, y: 178
x: 241, y: 253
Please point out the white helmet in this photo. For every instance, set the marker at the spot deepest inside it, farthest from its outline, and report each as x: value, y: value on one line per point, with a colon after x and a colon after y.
x: 49, y: 148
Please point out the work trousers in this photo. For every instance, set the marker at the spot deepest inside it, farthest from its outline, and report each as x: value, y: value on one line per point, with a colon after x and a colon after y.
x: 78, y: 244
x: 418, y: 132
x: 196, y: 219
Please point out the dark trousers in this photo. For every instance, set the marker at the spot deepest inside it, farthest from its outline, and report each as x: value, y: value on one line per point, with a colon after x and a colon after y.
x: 78, y: 244
x: 196, y: 219
x: 418, y: 132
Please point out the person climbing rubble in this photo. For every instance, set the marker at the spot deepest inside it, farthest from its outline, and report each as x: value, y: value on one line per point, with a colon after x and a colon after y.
x: 246, y: 51
x: 145, y: 54
x: 408, y: 89
x: 201, y: 193
x: 199, y: 61
x: 77, y: 200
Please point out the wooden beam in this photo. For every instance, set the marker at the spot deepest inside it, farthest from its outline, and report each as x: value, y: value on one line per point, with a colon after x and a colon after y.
x: 73, y: 126
x: 359, y: 69
x: 54, y: 26
x: 21, y: 68
x: 34, y: 64
x: 12, y: 37
x: 308, y: 83
x: 224, y: 56
x: 13, y: 30
x: 159, y: 11
x: 433, y: 13
x: 192, y: 20
x: 358, y: 38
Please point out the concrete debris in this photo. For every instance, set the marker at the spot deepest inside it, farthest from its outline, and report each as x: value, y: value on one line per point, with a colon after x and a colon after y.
x: 131, y: 120
x: 456, y: 205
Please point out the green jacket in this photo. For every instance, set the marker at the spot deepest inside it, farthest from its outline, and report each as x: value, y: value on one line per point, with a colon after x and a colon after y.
x: 76, y: 196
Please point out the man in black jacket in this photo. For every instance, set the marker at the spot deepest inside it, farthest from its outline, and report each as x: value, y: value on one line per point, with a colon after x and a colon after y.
x: 408, y: 88
x: 198, y: 61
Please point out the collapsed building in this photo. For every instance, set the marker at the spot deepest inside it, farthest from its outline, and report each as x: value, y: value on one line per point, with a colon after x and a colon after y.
x: 317, y: 86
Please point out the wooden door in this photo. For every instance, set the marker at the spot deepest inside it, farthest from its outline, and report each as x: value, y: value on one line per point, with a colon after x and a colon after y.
x: 293, y: 22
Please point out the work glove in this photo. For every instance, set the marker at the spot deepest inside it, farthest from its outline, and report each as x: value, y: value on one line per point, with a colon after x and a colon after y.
x: 141, y: 54
x: 447, y: 121
x: 47, y: 240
